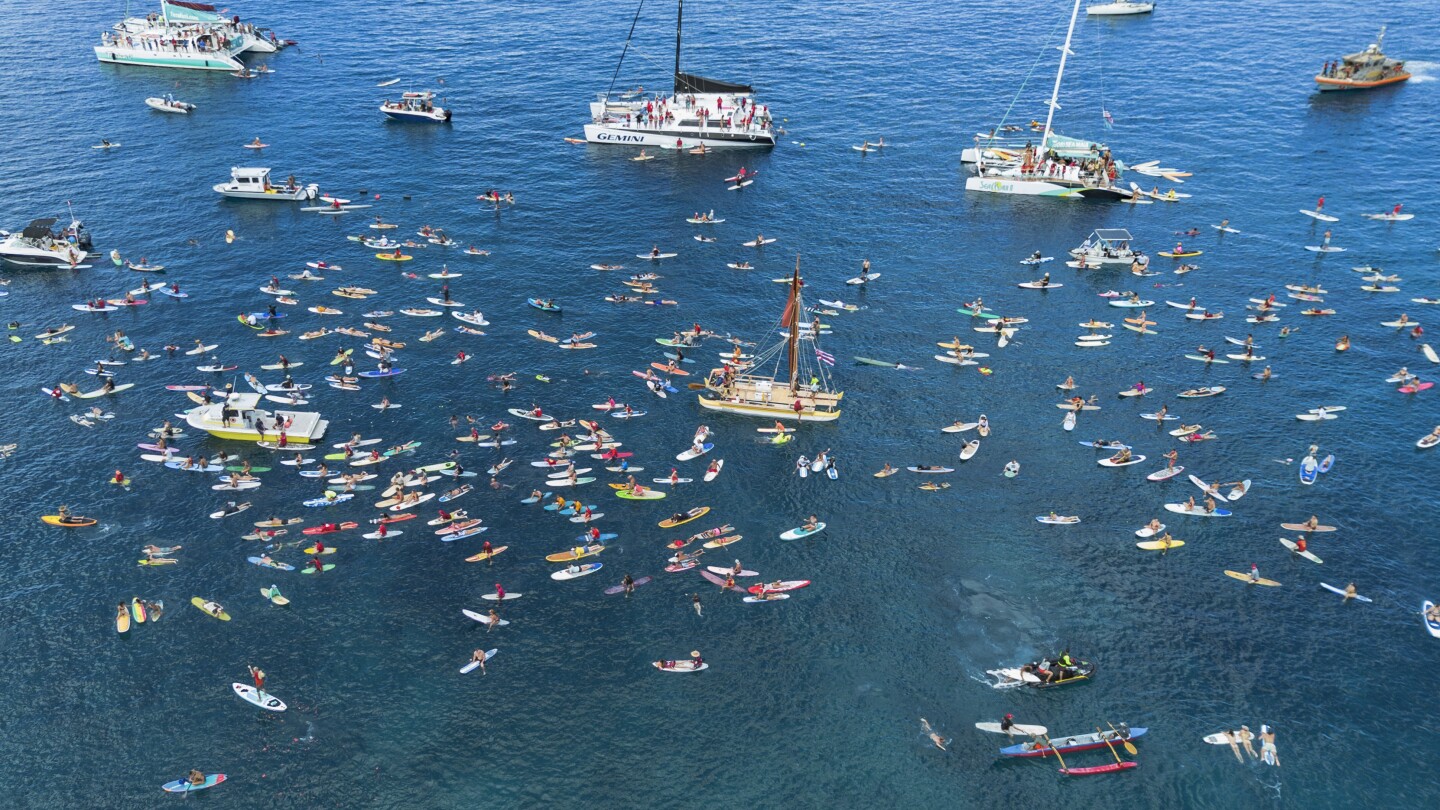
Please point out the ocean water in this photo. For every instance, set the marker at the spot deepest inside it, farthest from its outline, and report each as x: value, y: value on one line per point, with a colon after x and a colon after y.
x: 810, y: 702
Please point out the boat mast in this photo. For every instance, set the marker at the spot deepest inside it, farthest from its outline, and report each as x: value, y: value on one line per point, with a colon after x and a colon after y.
x: 1055, y: 94
x: 792, y: 309
x: 624, y: 50
x: 679, y: 23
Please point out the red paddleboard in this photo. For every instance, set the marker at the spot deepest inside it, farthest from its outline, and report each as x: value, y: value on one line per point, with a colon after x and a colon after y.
x: 1415, y: 389
x: 329, y: 529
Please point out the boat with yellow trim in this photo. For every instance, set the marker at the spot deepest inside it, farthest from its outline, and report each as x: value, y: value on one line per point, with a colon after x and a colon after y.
x: 239, y: 417
x: 780, y: 394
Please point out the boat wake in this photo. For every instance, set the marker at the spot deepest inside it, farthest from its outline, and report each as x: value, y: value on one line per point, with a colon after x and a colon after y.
x: 1423, y: 71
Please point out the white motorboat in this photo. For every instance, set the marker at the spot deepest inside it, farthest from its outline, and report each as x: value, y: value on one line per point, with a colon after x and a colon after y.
x: 253, y: 183
x: 1119, y: 8
x: 169, y: 104
x: 416, y: 106
x: 1039, y: 170
x: 39, y: 245
x: 238, y: 417
x: 1107, y: 246
x: 700, y: 112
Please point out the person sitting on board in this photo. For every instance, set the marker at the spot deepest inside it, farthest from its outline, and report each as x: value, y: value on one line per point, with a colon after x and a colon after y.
x: 195, y: 778
x: 478, y: 657
x: 812, y: 523
x: 1300, y: 545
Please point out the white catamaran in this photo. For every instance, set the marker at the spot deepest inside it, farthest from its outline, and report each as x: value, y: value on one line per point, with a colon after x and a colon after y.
x: 1051, y: 169
x: 802, y: 392
x: 187, y: 35
x: 701, y: 112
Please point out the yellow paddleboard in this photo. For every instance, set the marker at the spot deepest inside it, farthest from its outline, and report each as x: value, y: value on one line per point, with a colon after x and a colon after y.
x: 1160, y: 545
x: 567, y: 556
x: 668, y: 523
x: 484, y: 556
x: 122, y: 620
x: 200, y: 603
x: 1246, y: 578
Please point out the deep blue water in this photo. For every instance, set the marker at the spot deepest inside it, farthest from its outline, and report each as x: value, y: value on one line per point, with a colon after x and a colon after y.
x: 815, y: 700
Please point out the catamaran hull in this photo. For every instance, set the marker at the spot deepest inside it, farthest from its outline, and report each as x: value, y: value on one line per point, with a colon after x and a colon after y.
x: 1041, y: 188
x: 782, y: 412
x: 209, y: 61
x: 602, y: 133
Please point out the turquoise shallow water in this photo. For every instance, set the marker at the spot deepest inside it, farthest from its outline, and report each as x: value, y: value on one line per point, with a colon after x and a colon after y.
x: 816, y: 700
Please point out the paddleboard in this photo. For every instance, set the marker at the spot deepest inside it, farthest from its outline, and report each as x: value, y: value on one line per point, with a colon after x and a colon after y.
x: 254, y: 696
x: 1246, y: 579
x: 470, y: 667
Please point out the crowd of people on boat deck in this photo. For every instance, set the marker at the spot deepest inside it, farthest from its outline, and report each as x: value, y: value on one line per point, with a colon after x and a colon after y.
x: 1099, y: 169
x: 743, y: 115
x: 1340, y: 70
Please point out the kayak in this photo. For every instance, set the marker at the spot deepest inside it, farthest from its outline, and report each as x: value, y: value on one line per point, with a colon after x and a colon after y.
x: 679, y: 666
x: 1432, y: 626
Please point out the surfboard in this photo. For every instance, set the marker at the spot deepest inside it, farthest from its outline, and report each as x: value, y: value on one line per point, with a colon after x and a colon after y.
x: 1246, y: 579
x: 1331, y: 588
x: 470, y: 667
x: 1319, y: 216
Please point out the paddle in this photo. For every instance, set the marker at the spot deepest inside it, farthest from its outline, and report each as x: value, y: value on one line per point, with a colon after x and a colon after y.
x: 1129, y: 746
x: 1109, y: 746
x: 1063, y: 767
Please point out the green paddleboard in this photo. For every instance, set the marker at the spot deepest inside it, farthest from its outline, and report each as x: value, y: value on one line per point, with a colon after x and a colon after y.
x: 310, y: 570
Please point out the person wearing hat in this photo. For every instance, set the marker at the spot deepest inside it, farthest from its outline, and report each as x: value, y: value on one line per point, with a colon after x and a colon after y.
x: 1007, y: 722
x: 695, y: 660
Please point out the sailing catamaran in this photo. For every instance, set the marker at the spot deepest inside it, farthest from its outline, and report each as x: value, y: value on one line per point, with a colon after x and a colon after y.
x: 777, y: 396
x: 701, y: 111
x: 1045, y: 170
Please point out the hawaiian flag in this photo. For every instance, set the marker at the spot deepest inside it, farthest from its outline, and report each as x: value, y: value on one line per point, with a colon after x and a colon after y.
x: 1109, y: 119
x: 825, y: 357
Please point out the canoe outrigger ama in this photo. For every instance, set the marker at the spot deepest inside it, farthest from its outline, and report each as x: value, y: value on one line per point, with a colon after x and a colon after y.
x: 1362, y: 71
x: 774, y: 396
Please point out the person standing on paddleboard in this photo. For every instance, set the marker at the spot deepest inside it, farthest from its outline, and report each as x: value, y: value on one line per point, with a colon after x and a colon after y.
x: 258, y: 676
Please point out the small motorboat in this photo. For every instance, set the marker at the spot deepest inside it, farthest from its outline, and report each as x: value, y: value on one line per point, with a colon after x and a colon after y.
x: 1365, y: 70
x: 417, y: 106
x: 169, y: 104
x: 1042, y: 675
